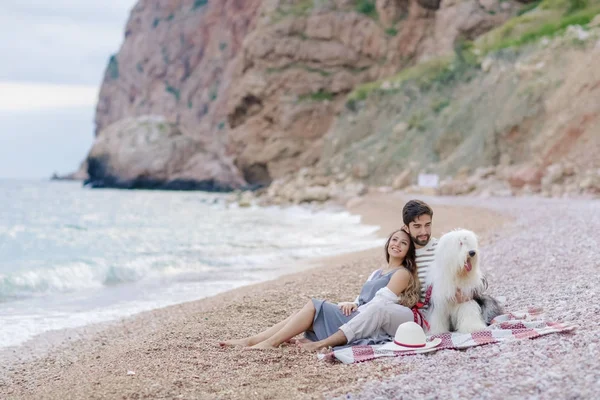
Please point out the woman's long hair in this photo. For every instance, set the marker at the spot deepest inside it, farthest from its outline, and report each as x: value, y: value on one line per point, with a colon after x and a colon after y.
x: 411, y: 295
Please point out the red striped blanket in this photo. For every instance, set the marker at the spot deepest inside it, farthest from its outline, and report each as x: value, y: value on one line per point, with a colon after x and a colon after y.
x: 512, y: 326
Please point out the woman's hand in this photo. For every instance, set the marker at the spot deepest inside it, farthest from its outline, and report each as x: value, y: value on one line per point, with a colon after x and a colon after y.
x: 347, y: 307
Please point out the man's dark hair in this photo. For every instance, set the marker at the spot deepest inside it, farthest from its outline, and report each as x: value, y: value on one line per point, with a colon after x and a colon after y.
x: 414, y: 209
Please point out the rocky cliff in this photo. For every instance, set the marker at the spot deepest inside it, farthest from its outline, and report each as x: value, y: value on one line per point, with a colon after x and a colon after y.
x: 528, y: 117
x: 514, y: 112
x: 176, y: 63
x: 222, y: 95
x: 255, y: 85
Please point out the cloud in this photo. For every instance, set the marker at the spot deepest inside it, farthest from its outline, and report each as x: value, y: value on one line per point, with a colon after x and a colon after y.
x: 60, y: 41
x: 17, y: 97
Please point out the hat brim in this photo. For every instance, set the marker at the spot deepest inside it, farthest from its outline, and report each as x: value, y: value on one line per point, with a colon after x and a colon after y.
x: 429, y: 346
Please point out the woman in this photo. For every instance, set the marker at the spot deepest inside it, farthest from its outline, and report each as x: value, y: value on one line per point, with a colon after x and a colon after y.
x: 328, y: 324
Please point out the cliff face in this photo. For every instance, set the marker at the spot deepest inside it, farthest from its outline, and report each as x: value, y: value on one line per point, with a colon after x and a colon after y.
x: 517, y: 110
x: 255, y: 85
x: 524, y: 110
x: 293, y: 75
x: 519, y: 119
x: 176, y: 63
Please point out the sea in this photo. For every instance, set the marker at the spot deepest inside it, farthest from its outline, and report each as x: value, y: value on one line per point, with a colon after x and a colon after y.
x: 72, y: 256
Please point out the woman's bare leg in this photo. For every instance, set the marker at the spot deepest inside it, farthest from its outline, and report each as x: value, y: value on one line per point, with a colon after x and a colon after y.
x: 298, y: 323
x: 252, y: 340
x: 337, y: 339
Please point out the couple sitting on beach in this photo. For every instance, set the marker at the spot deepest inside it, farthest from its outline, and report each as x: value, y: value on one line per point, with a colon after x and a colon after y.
x: 391, y: 296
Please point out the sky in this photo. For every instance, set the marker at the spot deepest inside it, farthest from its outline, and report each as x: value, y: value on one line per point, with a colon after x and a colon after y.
x: 54, y: 53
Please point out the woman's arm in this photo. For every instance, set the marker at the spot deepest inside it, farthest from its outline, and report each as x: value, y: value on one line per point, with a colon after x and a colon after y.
x: 397, y: 284
x: 399, y: 281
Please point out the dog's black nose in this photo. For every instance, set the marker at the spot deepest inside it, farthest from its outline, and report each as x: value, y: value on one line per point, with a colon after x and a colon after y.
x: 472, y: 253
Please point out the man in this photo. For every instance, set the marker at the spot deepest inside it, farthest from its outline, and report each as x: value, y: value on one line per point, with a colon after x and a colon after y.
x: 417, y: 217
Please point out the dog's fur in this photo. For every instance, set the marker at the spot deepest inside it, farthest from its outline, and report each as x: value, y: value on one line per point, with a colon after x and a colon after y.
x: 456, y: 266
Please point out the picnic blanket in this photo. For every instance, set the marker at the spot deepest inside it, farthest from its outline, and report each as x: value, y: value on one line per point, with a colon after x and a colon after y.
x: 512, y: 326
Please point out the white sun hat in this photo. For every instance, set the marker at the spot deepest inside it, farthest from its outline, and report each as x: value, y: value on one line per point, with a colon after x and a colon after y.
x: 410, y: 336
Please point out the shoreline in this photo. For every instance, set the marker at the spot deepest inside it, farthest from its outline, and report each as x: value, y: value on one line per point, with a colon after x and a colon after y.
x: 48, y: 339
x: 268, y: 297
x: 46, y: 342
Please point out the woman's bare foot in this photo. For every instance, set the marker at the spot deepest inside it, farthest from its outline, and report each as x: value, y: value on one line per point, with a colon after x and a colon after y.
x: 311, y: 346
x: 262, y: 346
x: 235, y: 342
x: 298, y: 341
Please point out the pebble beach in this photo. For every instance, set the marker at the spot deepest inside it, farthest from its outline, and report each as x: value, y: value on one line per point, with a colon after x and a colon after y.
x: 536, y: 253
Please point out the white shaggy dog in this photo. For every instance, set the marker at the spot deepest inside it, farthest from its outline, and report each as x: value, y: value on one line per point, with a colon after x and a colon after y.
x: 456, y: 266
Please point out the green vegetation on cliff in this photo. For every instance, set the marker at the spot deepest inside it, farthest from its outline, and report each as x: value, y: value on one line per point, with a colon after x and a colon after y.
x: 367, y: 7
x: 112, y: 70
x: 173, y: 90
x: 537, y: 20
x: 444, y: 70
x: 299, y: 8
x: 544, y: 18
x: 321, y: 95
x: 305, y: 7
x: 199, y: 3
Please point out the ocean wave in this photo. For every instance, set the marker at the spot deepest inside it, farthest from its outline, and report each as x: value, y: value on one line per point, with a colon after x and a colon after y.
x: 203, y: 263
x: 192, y: 237
x: 75, y: 276
x: 79, y: 276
